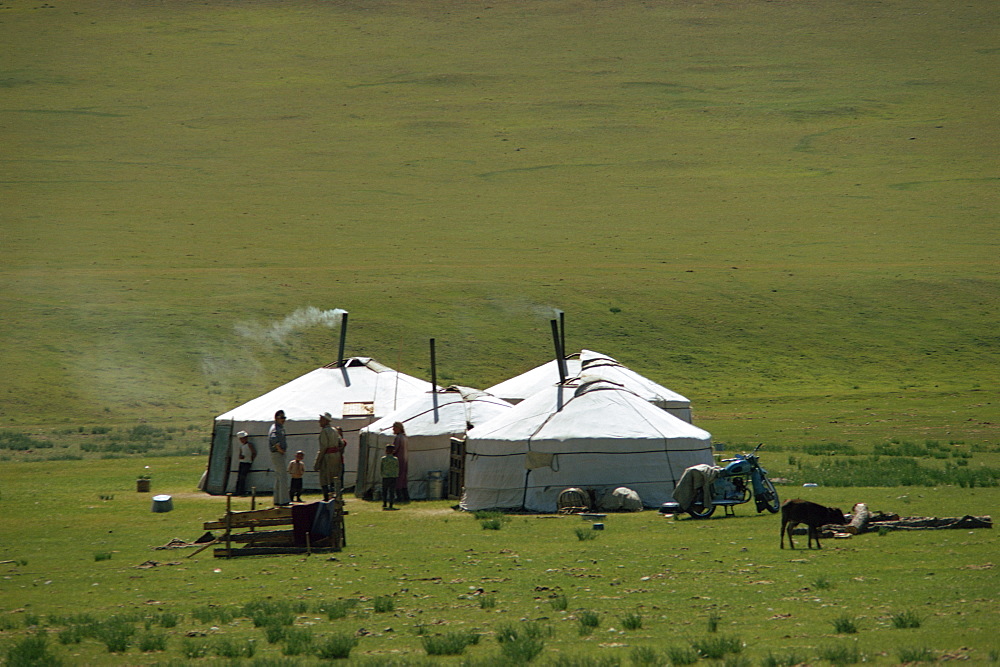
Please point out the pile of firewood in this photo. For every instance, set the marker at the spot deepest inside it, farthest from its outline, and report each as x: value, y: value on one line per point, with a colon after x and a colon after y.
x: 863, y: 520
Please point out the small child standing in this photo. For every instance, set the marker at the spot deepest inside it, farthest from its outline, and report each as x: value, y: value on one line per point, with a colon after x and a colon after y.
x: 296, y: 469
x: 389, y: 465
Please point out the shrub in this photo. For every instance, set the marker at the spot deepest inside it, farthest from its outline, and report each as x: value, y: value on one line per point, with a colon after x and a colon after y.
x: 845, y: 625
x: 715, y: 648
x: 491, y: 524
x: 384, y: 604
x: 152, y: 641
x: 274, y: 632
x: 213, y: 614
x: 905, y: 620
x: 336, y: 647
x: 645, y: 656
x: 522, y: 649
x: 71, y: 635
x: 194, y: 647
x: 631, y: 620
x: 588, y: 621
x: 713, y: 622
x: 115, y: 633
x: 789, y: 660
x: 821, y: 583
x: 584, y: 534
x: 451, y: 643
x: 226, y: 647
x: 910, y: 654
x: 487, y: 602
x: 559, y: 603
x: 102, y: 555
x: 337, y: 608
x: 681, y: 655
x: 841, y: 654
x: 32, y: 650
x: 298, y: 641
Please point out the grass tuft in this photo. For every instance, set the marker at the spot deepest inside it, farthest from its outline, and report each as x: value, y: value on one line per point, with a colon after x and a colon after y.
x: 584, y: 534
x: 716, y: 648
x: 631, y: 620
x: 913, y: 654
x: 906, y: 620
x: 451, y: 643
x: 336, y: 647
x: 681, y: 655
x: 845, y: 625
x: 841, y: 654
x: 32, y: 651
x: 383, y: 604
x: 152, y: 641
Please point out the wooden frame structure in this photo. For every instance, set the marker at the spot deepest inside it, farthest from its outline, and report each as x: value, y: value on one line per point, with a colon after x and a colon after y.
x: 300, y: 529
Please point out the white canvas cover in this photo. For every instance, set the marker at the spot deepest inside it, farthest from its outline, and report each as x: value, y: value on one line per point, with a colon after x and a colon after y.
x: 595, y: 435
x: 597, y: 365
x: 356, y: 394
x: 428, y: 431
x: 529, y: 383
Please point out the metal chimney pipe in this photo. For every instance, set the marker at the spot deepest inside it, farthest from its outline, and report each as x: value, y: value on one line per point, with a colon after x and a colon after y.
x: 434, y: 382
x: 562, y: 331
x: 560, y: 358
x: 343, y: 338
x: 340, y: 352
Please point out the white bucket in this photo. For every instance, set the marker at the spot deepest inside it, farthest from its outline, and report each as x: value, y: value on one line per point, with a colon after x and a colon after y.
x: 162, y: 503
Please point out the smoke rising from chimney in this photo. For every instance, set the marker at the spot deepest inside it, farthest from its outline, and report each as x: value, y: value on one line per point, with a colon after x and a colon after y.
x: 277, y: 332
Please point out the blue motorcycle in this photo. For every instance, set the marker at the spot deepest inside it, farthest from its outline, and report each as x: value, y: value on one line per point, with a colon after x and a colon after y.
x: 740, y: 480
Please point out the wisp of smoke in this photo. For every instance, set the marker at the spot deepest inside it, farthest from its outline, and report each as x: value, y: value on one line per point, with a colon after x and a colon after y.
x: 277, y: 332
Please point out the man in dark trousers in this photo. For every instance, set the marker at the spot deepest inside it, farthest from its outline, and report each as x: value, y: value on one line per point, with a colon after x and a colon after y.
x: 389, y: 466
x: 247, y: 455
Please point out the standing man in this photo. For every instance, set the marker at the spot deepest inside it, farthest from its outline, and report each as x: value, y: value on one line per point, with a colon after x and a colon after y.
x: 330, y: 457
x: 389, y: 467
x: 401, y: 449
x: 247, y: 455
x: 276, y: 441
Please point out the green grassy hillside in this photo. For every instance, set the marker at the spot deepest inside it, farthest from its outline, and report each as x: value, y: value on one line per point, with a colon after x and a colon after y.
x: 785, y: 211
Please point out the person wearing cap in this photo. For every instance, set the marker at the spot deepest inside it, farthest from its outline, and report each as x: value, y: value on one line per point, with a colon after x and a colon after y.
x: 401, y: 449
x: 247, y: 455
x: 296, y: 469
x: 277, y: 443
x: 330, y: 457
x: 389, y: 467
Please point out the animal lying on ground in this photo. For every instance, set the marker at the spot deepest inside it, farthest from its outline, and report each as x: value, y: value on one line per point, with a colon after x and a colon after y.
x: 814, y: 515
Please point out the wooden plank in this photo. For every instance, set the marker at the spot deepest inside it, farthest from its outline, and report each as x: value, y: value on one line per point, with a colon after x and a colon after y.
x: 246, y: 523
x: 272, y: 551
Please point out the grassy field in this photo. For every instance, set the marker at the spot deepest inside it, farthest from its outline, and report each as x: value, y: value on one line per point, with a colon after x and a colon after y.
x: 784, y: 211
x: 82, y: 542
x: 765, y: 202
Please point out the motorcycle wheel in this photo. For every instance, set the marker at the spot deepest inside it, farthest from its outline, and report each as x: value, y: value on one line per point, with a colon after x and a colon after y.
x: 699, y: 511
x: 773, y: 504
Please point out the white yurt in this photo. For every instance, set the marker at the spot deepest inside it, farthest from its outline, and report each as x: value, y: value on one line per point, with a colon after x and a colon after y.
x: 431, y: 421
x: 590, y: 433
x: 597, y: 365
x: 355, y: 392
x: 529, y: 383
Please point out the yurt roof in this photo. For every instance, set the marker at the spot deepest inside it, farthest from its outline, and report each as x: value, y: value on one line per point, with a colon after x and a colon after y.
x: 360, y: 380
x: 456, y: 408
x: 597, y: 365
x: 531, y: 382
x: 582, y: 409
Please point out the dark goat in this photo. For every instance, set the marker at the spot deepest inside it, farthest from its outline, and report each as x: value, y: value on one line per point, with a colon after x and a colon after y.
x: 797, y: 511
